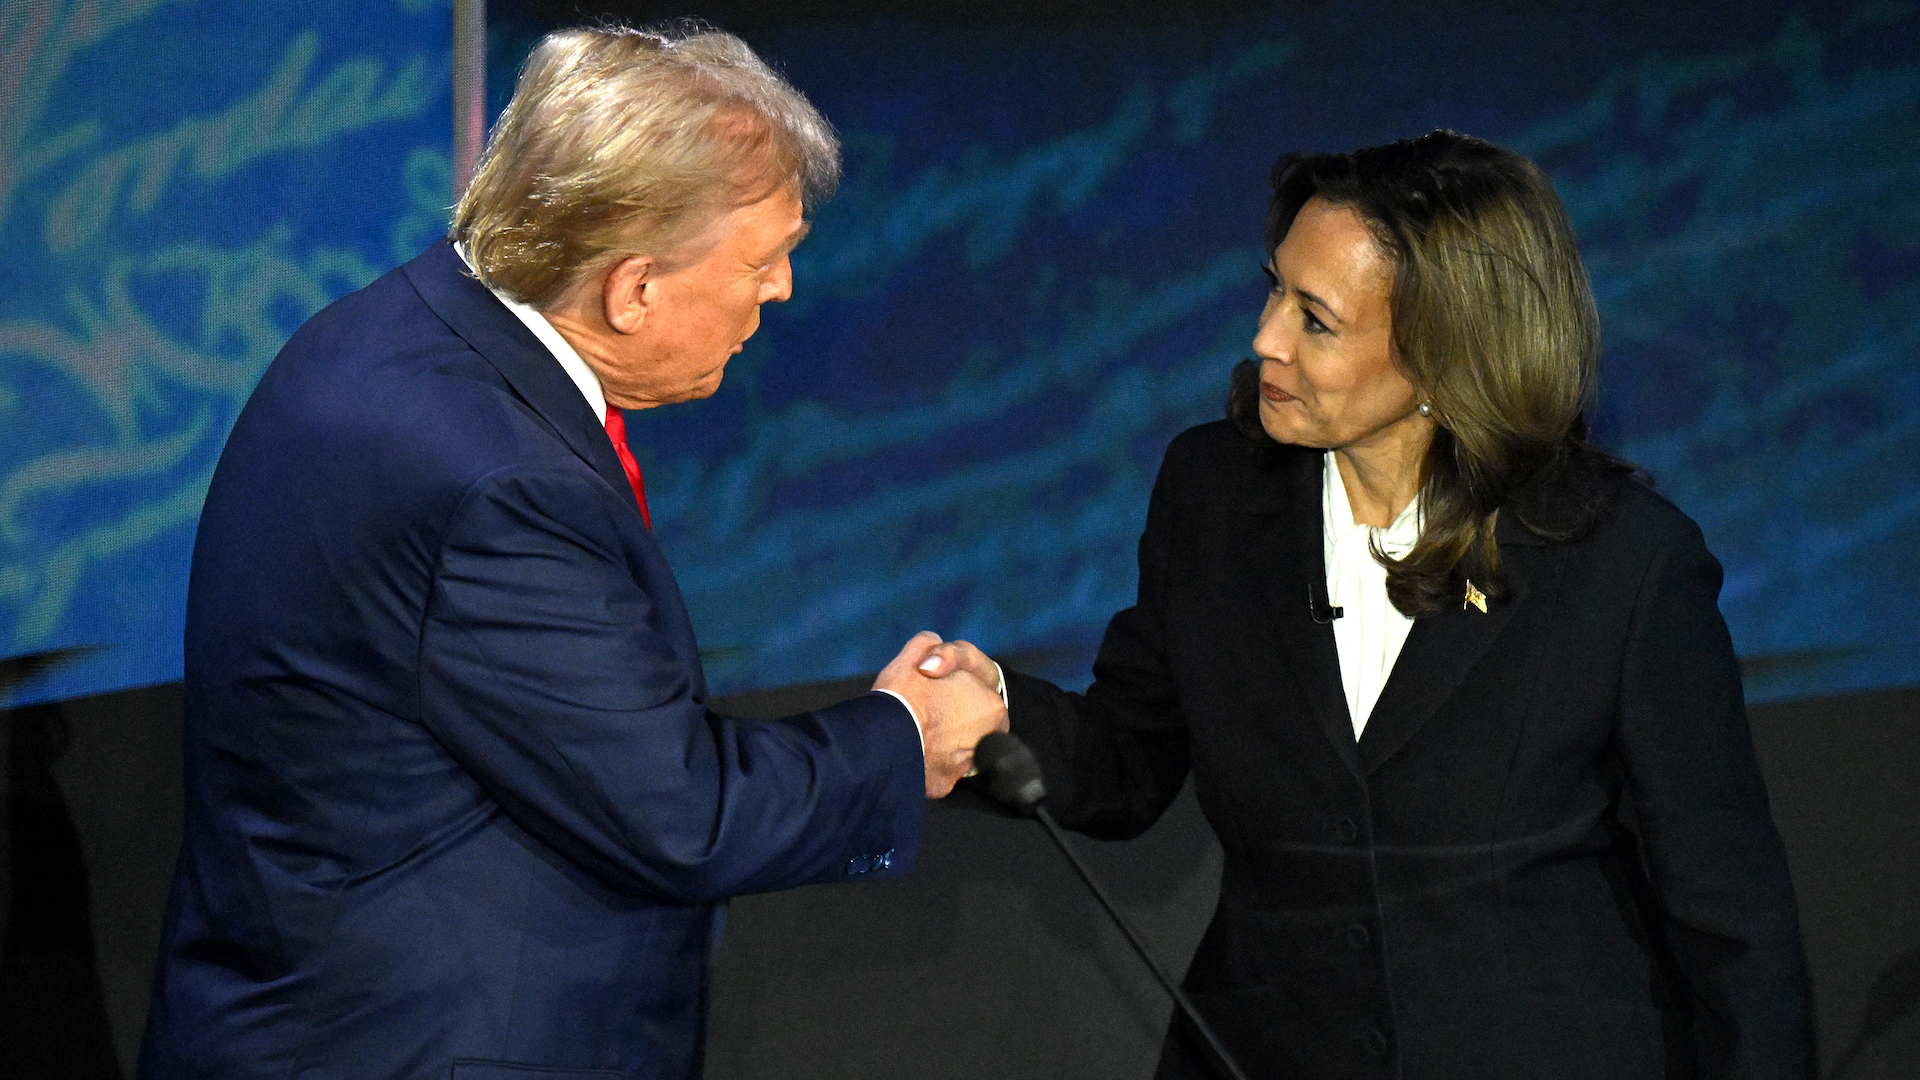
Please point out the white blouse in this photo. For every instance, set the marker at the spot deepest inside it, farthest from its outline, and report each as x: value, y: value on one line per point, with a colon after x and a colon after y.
x: 1371, y: 630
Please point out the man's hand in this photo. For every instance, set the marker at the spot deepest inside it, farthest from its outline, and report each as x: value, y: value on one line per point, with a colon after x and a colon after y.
x: 948, y: 657
x: 956, y: 709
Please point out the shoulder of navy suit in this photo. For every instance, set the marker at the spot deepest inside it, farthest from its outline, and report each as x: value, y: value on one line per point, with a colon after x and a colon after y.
x: 473, y: 313
x: 411, y: 391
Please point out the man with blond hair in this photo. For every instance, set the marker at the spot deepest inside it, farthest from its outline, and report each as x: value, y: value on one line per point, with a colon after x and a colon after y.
x: 456, y: 805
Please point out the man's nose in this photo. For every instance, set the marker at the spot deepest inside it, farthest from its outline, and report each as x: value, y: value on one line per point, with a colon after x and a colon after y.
x: 779, y: 286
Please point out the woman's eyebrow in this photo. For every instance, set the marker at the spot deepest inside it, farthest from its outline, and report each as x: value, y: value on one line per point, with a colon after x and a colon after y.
x: 1319, y: 303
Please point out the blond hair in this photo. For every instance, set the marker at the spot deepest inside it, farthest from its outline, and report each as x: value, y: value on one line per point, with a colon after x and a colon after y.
x: 624, y: 142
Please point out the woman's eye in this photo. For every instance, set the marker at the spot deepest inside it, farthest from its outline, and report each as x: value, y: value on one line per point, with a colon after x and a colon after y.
x: 1273, y: 279
x: 1313, y: 323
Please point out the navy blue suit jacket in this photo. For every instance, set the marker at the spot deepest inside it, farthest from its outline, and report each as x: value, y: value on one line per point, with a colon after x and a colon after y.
x: 456, y: 806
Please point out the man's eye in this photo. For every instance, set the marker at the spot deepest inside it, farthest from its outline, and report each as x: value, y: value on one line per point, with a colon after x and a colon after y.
x: 1313, y: 323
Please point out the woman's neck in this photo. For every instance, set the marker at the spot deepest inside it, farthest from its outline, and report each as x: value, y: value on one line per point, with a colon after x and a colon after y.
x: 1381, y: 477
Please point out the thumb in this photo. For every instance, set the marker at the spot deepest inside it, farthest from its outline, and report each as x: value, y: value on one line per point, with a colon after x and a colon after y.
x: 914, y: 651
x: 940, y: 661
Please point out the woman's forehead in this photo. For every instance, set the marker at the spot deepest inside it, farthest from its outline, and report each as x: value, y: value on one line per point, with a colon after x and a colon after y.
x: 1331, y: 247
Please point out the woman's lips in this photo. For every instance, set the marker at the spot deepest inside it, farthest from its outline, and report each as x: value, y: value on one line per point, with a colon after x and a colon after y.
x: 1274, y: 394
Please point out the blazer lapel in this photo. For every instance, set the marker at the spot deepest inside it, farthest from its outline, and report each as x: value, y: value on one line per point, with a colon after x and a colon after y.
x: 1289, y: 546
x: 497, y: 334
x: 1441, y: 649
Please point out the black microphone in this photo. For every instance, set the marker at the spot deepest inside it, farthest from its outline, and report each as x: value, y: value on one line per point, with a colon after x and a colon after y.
x: 1323, y: 611
x: 1013, y: 780
x: 1011, y: 771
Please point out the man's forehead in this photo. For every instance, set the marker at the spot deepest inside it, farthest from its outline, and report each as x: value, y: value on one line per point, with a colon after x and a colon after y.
x: 776, y: 221
x: 761, y: 227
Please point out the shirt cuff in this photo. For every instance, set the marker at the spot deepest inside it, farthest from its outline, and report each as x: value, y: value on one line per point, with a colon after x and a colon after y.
x: 917, y: 730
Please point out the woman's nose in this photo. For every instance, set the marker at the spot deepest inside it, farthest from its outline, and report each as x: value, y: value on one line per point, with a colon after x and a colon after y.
x: 1270, y: 341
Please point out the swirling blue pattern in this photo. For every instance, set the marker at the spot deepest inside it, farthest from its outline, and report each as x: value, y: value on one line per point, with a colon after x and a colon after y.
x: 1040, y: 267
x: 180, y: 186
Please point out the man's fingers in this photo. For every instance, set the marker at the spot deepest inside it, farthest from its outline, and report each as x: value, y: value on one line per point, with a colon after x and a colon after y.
x: 957, y: 707
x: 909, y: 657
x: 916, y: 647
x: 941, y: 785
x: 946, y: 658
x: 941, y: 661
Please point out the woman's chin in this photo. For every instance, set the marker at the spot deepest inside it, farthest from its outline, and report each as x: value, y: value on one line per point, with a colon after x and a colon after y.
x: 1282, y: 428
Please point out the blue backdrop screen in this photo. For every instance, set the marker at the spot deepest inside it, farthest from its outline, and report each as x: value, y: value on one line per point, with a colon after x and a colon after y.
x: 181, y: 185
x: 1041, y: 266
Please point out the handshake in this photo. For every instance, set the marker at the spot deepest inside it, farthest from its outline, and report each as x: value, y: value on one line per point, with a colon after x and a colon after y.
x: 955, y: 691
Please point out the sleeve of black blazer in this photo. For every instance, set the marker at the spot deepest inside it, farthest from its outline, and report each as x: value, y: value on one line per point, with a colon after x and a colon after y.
x: 1716, y: 862
x: 1114, y: 758
x: 545, y: 676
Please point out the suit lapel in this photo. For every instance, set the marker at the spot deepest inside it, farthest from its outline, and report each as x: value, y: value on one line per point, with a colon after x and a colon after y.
x: 474, y: 313
x: 1290, y: 550
x: 1441, y: 649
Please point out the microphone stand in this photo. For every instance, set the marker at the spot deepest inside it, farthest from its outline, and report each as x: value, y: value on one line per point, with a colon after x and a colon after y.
x: 1180, y: 999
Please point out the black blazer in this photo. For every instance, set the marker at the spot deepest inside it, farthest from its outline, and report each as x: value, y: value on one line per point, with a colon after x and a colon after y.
x: 1549, y: 854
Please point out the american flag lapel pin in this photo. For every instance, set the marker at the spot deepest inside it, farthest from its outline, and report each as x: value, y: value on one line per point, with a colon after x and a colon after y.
x: 1475, y: 598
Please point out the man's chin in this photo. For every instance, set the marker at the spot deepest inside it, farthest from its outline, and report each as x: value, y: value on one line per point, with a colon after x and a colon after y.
x: 705, y: 388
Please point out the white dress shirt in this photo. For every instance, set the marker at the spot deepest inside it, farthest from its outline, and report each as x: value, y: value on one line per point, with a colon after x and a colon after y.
x: 1371, y: 630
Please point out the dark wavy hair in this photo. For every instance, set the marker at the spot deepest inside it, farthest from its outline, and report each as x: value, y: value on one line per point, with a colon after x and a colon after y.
x: 1495, y: 327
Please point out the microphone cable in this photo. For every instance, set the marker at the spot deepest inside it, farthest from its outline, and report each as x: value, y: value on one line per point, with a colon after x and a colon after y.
x: 1013, y: 780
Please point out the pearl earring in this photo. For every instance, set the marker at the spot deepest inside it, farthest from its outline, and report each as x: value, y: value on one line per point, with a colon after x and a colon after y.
x: 1426, y: 408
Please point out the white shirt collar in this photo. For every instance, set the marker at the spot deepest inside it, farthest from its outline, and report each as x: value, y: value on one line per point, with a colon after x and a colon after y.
x: 562, y: 350
x: 1396, y: 539
x: 1370, y: 632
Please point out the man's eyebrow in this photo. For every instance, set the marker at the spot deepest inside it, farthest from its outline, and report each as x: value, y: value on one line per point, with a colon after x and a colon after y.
x: 793, y: 239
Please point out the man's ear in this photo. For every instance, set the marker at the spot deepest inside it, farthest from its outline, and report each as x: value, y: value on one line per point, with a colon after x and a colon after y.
x: 629, y: 292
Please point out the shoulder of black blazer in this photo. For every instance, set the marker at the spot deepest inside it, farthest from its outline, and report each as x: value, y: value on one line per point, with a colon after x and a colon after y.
x: 1272, y: 492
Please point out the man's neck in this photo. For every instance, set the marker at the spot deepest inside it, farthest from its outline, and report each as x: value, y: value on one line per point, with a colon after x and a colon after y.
x: 564, y: 352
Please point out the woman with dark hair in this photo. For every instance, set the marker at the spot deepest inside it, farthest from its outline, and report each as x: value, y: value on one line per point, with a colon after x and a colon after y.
x: 1453, y: 686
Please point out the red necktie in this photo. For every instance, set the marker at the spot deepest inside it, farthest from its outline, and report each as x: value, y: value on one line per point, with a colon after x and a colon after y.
x: 617, y: 431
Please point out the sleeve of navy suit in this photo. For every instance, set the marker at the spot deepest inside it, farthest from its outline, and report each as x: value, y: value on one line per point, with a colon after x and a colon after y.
x: 545, y: 675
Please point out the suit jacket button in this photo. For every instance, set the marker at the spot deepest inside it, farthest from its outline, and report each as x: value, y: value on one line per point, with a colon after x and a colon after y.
x: 1375, y: 1041
x: 1357, y: 936
x: 1346, y: 830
